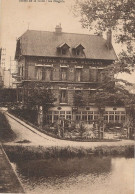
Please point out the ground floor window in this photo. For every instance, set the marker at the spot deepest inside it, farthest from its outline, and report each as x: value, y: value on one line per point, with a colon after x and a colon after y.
x: 54, y: 116
x: 115, y: 116
x: 85, y: 116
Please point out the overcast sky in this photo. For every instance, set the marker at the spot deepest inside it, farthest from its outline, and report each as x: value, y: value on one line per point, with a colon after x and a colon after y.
x: 15, y: 17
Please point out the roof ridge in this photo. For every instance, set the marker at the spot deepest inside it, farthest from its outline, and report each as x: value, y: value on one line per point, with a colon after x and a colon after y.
x: 64, y: 33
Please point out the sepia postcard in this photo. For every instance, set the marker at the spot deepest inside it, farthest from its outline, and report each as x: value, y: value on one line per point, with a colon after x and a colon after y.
x: 67, y: 96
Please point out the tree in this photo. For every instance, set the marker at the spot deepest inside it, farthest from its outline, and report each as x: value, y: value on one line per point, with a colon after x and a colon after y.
x: 78, y: 100
x: 39, y: 95
x: 38, y: 98
x: 117, y: 15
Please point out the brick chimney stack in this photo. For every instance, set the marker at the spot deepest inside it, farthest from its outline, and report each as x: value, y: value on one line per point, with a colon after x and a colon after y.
x: 109, y: 39
x: 58, y: 29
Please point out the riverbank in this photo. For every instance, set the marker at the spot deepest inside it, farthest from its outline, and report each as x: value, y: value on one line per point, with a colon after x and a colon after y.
x: 9, y: 182
x: 32, y: 144
x: 25, y: 152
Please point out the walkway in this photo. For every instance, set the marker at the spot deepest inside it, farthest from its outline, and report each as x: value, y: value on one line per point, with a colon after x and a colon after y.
x: 9, y: 182
x: 36, y: 138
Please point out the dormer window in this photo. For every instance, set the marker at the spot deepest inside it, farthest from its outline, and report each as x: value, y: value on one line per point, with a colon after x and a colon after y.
x: 63, y: 49
x: 78, y: 50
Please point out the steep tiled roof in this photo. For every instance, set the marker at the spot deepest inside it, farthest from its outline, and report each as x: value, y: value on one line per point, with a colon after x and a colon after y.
x: 44, y: 43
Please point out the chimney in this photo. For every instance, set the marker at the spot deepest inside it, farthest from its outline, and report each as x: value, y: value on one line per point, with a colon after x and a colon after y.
x: 109, y: 39
x: 58, y: 29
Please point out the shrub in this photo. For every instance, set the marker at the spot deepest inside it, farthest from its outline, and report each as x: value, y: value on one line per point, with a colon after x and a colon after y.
x: 6, y: 133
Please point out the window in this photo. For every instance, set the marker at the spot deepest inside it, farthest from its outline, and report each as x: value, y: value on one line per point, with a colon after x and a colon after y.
x: 84, y: 117
x: 117, y: 117
x: 64, y: 51
x: 93, y: 75
x: 78, y: 117
x: 100, y: 75
x: 90, y: 112
x: 63, y: 95
x: 90, y: 117
x: 56, y: 112
x: 31, y: 72
x: 63, y: 74
x: 111, y: 112
x: 111, y: 117
x: 68, y: 115
x: 48, y: 74
x: 78, y: 75
x: 78, y: 50
x: 68, y: 112
x: 56, y: 117
x: 62, y: 112
x: 39, y: 73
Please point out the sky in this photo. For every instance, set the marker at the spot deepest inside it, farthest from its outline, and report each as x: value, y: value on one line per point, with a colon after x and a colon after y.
x: 16, y: 17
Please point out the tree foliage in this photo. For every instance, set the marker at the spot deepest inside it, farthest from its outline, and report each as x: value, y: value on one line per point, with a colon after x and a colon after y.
x: 117, y: 15
x: 40, y: 95
x: 79, y: 100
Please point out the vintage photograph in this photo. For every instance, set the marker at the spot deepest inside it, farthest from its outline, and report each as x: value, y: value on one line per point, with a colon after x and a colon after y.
x: 67, y: 96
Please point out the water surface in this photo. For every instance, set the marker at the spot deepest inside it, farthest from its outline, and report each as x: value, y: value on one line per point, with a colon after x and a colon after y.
x: 93, y: 175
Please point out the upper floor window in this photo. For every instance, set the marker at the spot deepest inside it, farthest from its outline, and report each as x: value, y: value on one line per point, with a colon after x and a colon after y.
x: 101, y: 75
x: 93, y: 74
x: 47, y: 74
x: 78, y: 50
x: 78, y: 75
x: 63, y: 96
x: 63, y: 49
x: 63, y: 74
x: 39, y: 73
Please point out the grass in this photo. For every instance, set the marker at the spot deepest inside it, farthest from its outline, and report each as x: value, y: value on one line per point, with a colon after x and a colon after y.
x: 6, y: 133
x: 21, y: 152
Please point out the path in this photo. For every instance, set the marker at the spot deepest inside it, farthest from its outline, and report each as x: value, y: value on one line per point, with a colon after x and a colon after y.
x: 26, y: 132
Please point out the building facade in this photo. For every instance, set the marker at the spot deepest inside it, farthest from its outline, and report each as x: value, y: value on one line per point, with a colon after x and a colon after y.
x: 75, y: 66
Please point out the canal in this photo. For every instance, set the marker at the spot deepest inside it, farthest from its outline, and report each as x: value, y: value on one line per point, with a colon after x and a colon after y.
x: 90, y: 175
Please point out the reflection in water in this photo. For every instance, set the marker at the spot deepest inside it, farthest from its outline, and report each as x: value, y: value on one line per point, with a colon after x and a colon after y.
x: 92, y: 175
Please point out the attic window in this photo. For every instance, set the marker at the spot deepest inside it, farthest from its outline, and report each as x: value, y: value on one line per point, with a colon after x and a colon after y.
x: 78, y: 50
x: 63, y: 49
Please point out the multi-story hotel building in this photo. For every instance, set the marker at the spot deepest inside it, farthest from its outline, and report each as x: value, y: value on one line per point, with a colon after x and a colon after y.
x: 73, y: 64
